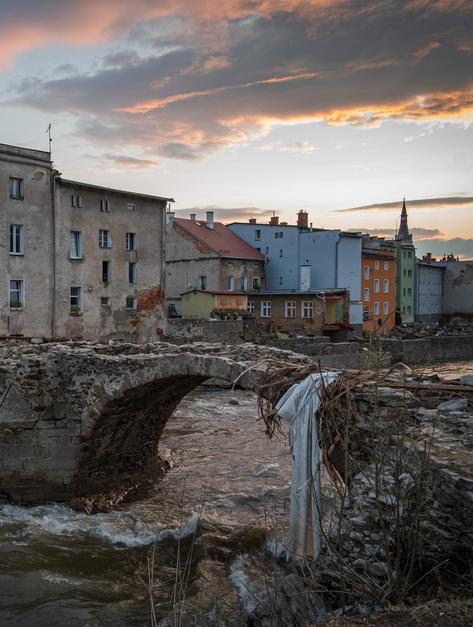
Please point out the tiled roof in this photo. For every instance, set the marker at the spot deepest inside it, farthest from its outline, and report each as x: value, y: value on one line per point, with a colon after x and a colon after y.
x: 220, y: 239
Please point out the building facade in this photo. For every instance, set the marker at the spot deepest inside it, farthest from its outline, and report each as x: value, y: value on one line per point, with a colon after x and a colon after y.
x: 378, y: 285
x: 82, y: 261
x: 213, y: 303
x: 405, y: 272
x: 301, y: 313
x: 301, y: 258
x: 206, y: 255
x: 458, y: 287
x: 429, y: 291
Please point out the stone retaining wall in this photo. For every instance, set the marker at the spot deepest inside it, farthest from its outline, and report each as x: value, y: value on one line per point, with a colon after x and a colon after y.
x: 429, y: 350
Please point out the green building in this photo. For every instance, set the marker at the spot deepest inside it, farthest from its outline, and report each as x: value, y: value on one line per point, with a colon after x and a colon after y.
x: 405, y: 271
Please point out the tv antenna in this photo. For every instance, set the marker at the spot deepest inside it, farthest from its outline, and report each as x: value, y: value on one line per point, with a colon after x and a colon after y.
x: 48, y: 131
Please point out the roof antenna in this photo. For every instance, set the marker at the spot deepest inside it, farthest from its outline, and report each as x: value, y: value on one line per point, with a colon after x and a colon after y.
x: 48, y: 131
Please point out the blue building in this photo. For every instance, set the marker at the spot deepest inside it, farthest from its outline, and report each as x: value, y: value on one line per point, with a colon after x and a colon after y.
x: 301, y: 258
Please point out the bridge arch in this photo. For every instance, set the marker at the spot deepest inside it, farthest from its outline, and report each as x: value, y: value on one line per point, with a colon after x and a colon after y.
x: 121, y: 428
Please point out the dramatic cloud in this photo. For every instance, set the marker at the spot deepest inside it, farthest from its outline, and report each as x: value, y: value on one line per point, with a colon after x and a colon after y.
x: 419, y: 203
x: 205, y: 76
x: 124, y: 162
x: 417, y: 232
x: 457, y: 246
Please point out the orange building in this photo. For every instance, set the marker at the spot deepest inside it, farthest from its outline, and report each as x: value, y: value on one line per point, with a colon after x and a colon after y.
x: 378, y: 286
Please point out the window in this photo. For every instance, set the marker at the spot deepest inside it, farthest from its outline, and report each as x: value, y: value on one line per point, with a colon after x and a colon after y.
x: 409, y: 291
x: 276, y: 235
x: 290, y: 309
x: 244, y: 283
x: 230, y: 283
x: 386, y: 286
x: 366, y: 314
x: 106, y: 272
x: 17, y: 246
x: 267, y: 250
x: 75, y: 245
x: 16, y: 188
x: 105, y: 301
x: 403, y: 273
x: 409, y: 254
x: 376, y: 309
x: 202, y: 283
x: 366, y: 294
x: 76, y: 200
x: 403, y: 291
x: 105, y: 239
x: 367, y: 273
x: 130, y: 302
x: 104, y: 206
x: 280, y: 252
x: 256, y: 283
x: 266, y: 309
x: 281, y: 234
x: 16, y: 294
x: 75, y: 300
x: 376, y: 265
x: 386, y: 265
x: 257, y: 234
x: 132, y: 273
x: 376, y: 286
x: 408, y: 309
x: 385, y: 309
x: 409, y: 273
x: 259, y: 250
x: 307, y: 309
x: 251, y: 307
x: 130, y: 241
x: 131, y: 206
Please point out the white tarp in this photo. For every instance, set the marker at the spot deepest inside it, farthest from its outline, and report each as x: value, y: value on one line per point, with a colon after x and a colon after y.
x: 299, y: 407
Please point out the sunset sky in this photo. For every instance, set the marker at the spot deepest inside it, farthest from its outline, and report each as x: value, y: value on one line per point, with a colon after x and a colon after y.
x: 339, y: 107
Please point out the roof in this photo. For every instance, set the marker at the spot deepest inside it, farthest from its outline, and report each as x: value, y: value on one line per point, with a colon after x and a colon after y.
x: 379, y: 252
x: 112, y: 190
x: 220, y: 239
x: 217, y: 292
x: 340, y: 291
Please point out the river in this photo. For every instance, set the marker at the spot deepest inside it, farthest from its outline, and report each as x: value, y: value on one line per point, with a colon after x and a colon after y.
x: 59, y: 567
x: 226, y: 494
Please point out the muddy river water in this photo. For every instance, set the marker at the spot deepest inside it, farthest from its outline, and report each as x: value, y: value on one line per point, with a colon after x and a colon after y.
x: 62, y: 568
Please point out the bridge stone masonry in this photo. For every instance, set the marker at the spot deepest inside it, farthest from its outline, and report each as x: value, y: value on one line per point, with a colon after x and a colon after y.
x: 79, y: 420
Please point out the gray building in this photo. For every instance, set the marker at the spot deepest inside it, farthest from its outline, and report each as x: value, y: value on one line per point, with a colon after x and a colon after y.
x: 206, y: 255
x: 301, y: 258
x: 429, y: 292
x: 457, y: 286
x: 81, y: 261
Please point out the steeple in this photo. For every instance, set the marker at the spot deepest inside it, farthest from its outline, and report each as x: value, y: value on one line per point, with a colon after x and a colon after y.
x: 403, y: 234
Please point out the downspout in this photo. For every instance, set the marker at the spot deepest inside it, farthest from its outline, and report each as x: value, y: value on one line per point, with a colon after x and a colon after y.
x: 336, y: 260
x: 54, y: 259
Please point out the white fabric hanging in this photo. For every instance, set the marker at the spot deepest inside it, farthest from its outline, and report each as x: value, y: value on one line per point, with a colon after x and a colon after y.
x: 299, y: 407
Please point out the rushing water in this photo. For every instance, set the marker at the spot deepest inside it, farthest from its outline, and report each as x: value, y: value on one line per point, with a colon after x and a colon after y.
x: 62, y: 568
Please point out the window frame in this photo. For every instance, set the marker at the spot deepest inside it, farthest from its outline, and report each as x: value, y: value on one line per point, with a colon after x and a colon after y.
x: 290, y: 308
x: 133, y: 303
x: 376, y: 286
x: 20, y: 193
x: 376, y: 309
x: 80, y: 249
x: 306, y: 306
x: 256, y: 283
x: 106, y: 271
x: 385, y: 286
x: 132, y: 273
x: 77, y: 308
x: 14, y: 234
x: 20, y: 289
x: 250, y: 307
x: 266, y: 308
x: 130, y: 241
x: 366, y: 294
x: 385, y: 308
x: 257, y: 235
x: 366, y: 273
x: 105, y: 241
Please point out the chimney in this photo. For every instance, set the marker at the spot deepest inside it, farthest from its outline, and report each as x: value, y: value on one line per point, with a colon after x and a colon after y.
x: 252, y: 220
x: 274, y: 220
x: 210, y: 219
x: 303, y: 219
x: 192, y: 217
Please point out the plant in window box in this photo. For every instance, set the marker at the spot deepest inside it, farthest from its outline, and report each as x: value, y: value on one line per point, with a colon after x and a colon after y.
x: 75, y: 310
x: 16, y: 304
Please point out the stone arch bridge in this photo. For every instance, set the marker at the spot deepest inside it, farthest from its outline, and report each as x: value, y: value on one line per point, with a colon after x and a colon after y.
x: 77, y: 420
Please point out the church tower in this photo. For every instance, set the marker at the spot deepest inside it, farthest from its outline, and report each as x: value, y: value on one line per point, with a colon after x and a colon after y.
x: 403, y: 234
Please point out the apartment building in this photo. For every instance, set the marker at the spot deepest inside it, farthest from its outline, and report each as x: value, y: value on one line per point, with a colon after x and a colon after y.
x: 81, y: 261
x: 207, y: 255
x: 405, y: 271
x: 302, y: 258
x: 378, y: 285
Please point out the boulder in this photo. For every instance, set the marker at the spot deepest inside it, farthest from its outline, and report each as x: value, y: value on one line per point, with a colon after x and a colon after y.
x: 454, y: 404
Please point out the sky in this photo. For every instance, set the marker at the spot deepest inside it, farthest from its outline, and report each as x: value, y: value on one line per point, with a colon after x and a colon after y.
x: 245, y: 107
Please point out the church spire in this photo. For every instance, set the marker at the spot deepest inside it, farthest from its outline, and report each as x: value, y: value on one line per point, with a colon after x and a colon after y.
x: 403, y: 232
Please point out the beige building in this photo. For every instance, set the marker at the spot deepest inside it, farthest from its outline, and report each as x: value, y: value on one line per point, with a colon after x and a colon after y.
x: 206, y: 255
x: 81, y: 261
